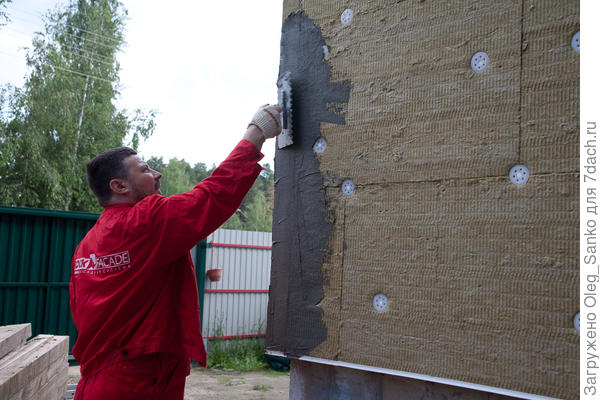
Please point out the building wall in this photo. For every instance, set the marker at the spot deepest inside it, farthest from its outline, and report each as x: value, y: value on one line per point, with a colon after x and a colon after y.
x: 481, y: 275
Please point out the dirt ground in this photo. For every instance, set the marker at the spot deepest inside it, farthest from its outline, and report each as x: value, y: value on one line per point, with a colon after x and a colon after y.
x: 219, y: 385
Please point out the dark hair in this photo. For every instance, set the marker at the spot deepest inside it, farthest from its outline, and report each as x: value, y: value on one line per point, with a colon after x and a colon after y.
x: 105, y: 167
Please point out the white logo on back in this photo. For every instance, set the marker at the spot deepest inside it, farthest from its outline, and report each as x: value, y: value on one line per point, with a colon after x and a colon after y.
x: 103, y: 264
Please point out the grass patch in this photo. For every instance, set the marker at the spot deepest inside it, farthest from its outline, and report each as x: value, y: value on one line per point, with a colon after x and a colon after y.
x: 272, y: 372
x: 237, y: 355
x: 224, y: 380
x: 247, y: 354
x: 262, y: 388
x: 229, y: 381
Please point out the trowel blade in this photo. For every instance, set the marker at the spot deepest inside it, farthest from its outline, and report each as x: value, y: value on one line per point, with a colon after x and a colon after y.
x: 284, y: 97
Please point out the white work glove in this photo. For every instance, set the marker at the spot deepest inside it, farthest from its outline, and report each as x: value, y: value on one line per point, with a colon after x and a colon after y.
x: 268, y: 120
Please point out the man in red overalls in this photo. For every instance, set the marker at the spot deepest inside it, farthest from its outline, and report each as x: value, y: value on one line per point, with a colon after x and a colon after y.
x: 133, y: 291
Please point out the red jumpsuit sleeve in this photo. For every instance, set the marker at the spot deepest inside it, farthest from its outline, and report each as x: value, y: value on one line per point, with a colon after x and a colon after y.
x: 179, y: 222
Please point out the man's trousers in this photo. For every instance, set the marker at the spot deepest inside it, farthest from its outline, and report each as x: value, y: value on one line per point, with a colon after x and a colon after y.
x: 150, y: 376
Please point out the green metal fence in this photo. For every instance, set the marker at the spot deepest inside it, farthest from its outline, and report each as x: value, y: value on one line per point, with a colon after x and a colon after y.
x: 36, y: 247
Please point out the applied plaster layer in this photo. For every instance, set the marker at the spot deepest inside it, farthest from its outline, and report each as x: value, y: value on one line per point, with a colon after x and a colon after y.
x: 481, y: 275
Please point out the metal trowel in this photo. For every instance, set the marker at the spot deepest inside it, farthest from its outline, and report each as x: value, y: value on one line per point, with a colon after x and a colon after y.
x: 284, y: 97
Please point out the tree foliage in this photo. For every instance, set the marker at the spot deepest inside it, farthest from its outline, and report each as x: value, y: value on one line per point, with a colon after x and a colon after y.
x: 3, y: 16
x: 178, y: 175
x: 256, y: 210
x: 65, y: 112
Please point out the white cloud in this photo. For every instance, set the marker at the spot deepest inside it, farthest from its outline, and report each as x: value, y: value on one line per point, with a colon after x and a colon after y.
x: 206, y: 66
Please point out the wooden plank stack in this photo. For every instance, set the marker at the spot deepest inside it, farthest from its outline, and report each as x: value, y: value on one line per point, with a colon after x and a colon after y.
x: 32, y: 369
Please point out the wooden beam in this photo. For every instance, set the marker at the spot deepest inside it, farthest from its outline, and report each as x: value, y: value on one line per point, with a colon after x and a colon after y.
x: 12, y: 337
x: 34, y: 367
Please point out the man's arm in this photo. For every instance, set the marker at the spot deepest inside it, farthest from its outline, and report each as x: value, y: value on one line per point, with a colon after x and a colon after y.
x: 254, y: 135
x: 182, y: 220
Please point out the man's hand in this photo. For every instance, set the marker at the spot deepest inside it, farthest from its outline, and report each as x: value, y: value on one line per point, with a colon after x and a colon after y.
x: 268, y: 120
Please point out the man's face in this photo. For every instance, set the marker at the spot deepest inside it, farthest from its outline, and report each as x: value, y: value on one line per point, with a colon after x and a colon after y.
x: 143, y: 180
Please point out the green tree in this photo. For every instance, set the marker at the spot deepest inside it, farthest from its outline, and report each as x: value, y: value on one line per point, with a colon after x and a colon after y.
x: 177, y: 177
x: 3, y: 16
x: 156, y: 163
x: 256, y: 211
x: 65, y: 113
x: 234, y: 222
x: 259, y: 214
x: 254, y: 214
x: 200, y: 172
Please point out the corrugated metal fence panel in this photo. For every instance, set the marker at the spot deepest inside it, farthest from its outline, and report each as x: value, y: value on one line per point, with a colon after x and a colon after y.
x: 246, y: 274
x: 36, y: 247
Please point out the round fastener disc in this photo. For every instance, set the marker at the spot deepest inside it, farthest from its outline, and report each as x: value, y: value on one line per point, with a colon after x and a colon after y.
x: 480, y: 61
x: 320, y: 145
x: 380, y: 302
x: 576, y: 321
x: 519, y: 175
x: 347, y: 16
x: 348, y: 187
x: 575, y: 42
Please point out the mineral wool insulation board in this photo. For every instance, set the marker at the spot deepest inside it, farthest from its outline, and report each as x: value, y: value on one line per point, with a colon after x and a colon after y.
x: 398, y: 184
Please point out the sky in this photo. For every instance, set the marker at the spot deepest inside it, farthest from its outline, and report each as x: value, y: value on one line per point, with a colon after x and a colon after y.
x: 205, y: 67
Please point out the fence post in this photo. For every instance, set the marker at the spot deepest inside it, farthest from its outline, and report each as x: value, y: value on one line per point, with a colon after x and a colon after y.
x: 200, y: 274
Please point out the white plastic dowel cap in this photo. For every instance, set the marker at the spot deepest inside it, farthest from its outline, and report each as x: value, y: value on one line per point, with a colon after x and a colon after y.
x: 519, y: 175
x: 480, y: 61
x: 575, y: 42
x: 347, y: 16
x: 320, y: 145
x: 348, y: 187
x: 380, y: 302
x: 576, y: 322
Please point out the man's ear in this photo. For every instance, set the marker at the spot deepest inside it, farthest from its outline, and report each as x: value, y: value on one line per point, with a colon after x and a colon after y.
x: 119, y: 186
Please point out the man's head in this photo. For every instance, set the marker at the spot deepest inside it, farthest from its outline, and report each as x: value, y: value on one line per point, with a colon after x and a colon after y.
x: 119, y: 175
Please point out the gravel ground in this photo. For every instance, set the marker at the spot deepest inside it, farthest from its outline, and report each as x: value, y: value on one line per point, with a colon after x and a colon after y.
x: 219, y: 385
